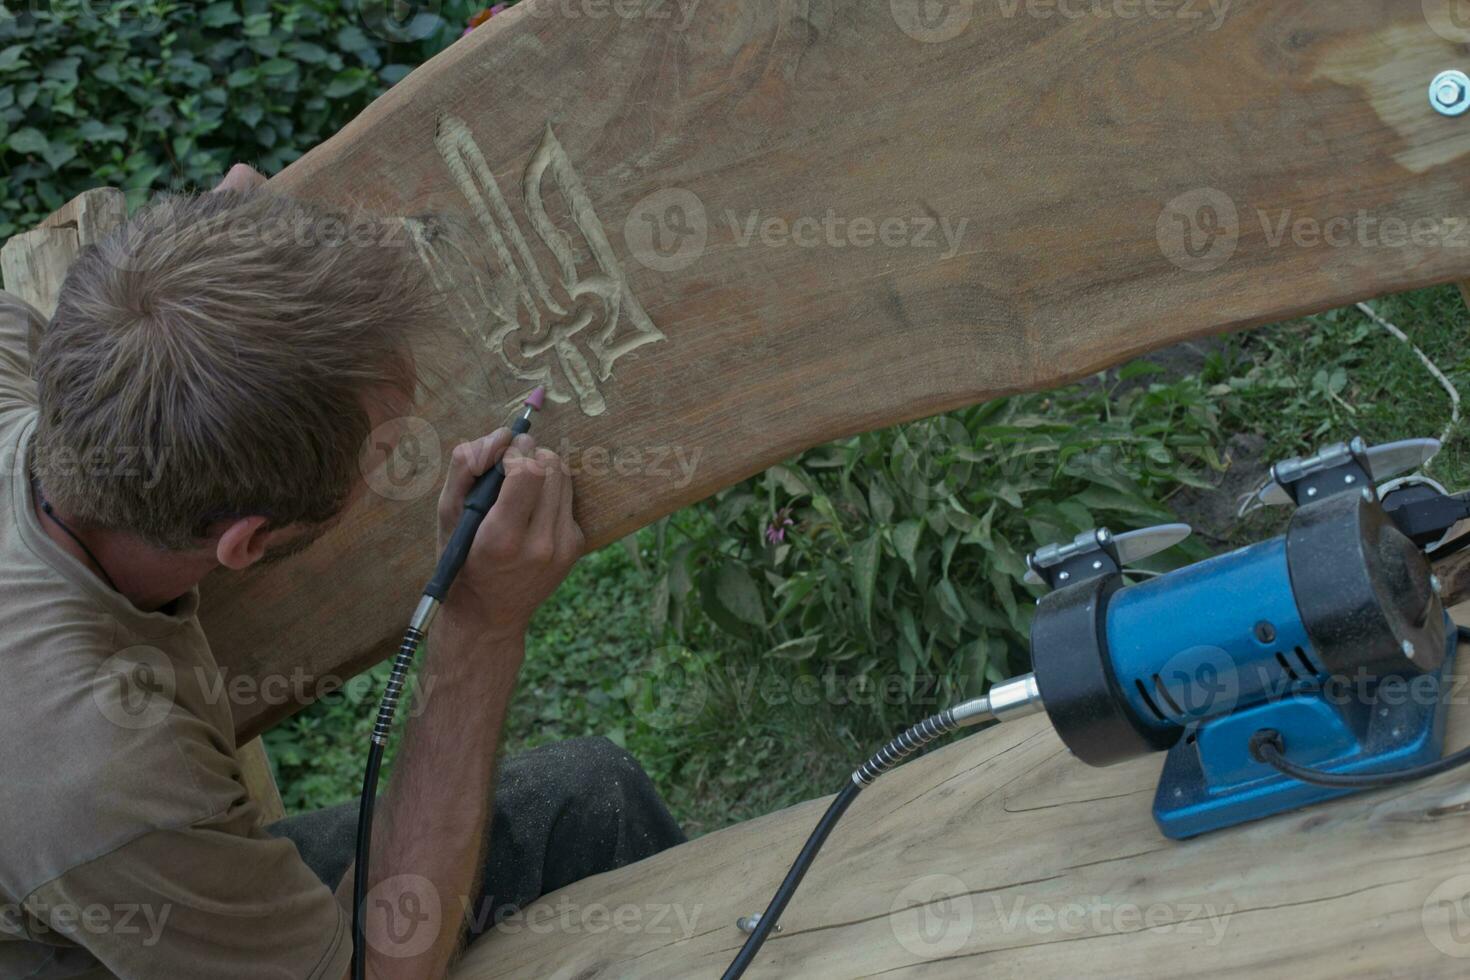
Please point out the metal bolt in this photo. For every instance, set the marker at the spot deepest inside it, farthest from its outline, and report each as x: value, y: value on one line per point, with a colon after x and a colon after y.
x: 747, y: 923
x: 1368, y: 495
x: 1265, y: 632
x: 1436, y: 585
x: 1104, y: 535
x: 1409, y: 649
x: 1350, y: 479
x: 1063, y: 576
x: 1449, y: 93
x: 1311, y: 491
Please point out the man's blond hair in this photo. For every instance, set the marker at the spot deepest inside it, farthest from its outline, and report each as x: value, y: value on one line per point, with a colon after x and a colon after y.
x: 234, y: 338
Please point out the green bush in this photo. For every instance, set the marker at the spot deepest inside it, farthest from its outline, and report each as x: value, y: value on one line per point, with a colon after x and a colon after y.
x: 149, y: 94
x: 903, y: 560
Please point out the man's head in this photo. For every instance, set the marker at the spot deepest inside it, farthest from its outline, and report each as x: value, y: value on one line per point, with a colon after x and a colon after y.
x: 246, y: 344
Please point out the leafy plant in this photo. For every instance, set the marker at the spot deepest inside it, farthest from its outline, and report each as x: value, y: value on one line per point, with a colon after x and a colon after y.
x: 147, y: 94
x: 903, y: 560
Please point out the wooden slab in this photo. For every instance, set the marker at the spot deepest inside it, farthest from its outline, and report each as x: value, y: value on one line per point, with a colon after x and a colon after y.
x: 1003, y: 856
x: 34, y: 262
x: 718, y: 231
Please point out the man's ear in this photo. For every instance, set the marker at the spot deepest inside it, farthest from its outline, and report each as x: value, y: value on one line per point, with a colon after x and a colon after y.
x: 241, y: 178
x: 242, y: 544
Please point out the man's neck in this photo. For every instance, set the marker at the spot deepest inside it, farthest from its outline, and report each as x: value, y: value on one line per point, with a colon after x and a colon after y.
x: 147, y: 577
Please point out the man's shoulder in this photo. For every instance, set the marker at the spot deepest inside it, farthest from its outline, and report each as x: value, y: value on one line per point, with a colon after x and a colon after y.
x: 104, y: 743
x: 13, y: 305
x: 21, y: 325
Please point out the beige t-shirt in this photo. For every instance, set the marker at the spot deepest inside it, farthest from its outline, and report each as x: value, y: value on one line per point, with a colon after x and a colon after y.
x: 129, y: 846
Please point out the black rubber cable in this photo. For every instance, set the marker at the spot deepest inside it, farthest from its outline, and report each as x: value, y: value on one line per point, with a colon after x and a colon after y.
x: 477, y: 504
x: 798, y: 871
x: 382, y: 728
x: 364, y: 852
x: 1268, y: 746
x: 892, y: 755
x: 1451, y: 547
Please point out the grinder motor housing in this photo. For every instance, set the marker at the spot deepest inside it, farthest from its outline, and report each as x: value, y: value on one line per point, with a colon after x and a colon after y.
x: 1333, y: 634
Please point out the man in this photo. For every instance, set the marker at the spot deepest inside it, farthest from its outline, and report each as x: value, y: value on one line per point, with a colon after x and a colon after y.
x: 239, y: 372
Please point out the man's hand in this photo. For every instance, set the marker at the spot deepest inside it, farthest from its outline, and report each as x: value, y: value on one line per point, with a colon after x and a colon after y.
x: 528, y: 542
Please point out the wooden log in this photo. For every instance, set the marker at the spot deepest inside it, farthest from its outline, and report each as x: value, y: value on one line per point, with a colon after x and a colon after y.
x: 1003, y: 856
x: 1454, y: 573
x: 91, y: 214
x: 723, y: 233
x: 260, y: 780
x: 34, y: 262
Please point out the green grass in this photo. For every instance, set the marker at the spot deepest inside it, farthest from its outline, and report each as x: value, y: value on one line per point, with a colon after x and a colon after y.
x: 1339, y: 374
x: 1326, y: 378
x: 717, y: 750
x: 718, y: 727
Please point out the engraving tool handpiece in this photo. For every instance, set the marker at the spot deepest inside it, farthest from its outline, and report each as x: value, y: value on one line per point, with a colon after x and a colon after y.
x: 477, y: 504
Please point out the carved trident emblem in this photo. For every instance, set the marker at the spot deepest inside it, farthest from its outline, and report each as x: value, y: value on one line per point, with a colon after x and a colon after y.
x: 566, y: 329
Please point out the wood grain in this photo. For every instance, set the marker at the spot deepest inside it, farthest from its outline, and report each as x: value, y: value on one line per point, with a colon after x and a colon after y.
x: 721, y: 238
x: 1003, y: 856
x: 34, y: 263
x: 91, y: 214
x: 260, y: 780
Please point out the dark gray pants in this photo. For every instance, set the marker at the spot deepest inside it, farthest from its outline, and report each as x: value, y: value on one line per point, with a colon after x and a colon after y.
x: 563, y: 812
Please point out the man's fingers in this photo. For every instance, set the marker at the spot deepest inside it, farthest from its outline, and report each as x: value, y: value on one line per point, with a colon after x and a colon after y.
x: 468, y: 463
x: 509, y: 519
x: 489, y: 450
x: 568, y: 534
x: 548, y: 508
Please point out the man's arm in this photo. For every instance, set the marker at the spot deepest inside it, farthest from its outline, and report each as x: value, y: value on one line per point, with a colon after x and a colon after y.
x: 430, y: 839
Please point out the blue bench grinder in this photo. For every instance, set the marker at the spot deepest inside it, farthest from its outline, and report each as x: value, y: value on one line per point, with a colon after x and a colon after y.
x: 1331, y: 638
x: 1278, y: 676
